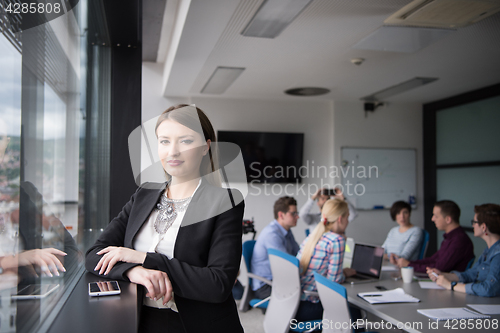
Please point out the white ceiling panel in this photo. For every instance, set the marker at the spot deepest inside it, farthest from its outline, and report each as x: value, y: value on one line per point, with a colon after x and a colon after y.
x: 315, y: 51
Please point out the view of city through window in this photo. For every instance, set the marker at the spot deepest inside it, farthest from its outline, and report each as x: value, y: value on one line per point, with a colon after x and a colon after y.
x: 50, y: 138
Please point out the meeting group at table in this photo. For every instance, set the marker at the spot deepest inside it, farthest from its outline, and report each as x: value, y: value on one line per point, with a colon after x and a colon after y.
x: 323, y: 250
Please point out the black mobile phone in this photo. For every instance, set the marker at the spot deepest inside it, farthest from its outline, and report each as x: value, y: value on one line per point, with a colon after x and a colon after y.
x: 381, y: 287
x: 329, y: 191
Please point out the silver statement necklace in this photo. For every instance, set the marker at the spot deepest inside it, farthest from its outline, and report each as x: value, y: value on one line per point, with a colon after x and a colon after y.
x: 167, y: 212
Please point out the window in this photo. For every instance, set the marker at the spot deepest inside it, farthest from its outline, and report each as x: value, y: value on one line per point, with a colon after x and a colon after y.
x: 54, y: 154
x: 462, y: 155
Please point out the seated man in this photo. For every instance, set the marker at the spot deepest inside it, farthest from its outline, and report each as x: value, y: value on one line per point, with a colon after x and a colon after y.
x: 276, y: 235
x: 456, y: 249
x: 322, y: 195
x: 482, y: 279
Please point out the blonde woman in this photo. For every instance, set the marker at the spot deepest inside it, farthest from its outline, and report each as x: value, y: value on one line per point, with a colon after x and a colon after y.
x: 323, y: 252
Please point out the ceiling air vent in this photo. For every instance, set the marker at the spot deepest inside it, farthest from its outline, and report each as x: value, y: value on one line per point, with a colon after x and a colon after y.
x: 307, y: 91
x: 443, y: 13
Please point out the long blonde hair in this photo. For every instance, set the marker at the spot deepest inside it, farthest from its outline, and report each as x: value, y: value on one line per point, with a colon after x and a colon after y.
x: 332, y: 210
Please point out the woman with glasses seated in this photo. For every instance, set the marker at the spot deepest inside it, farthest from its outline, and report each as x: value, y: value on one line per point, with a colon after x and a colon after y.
x: 484, y: 278
x: 323, y: 252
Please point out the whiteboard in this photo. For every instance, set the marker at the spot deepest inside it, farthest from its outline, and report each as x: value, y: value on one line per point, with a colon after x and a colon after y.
x: 375, y: 178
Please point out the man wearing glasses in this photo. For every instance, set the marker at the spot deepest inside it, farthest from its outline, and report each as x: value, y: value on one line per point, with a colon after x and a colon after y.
x: 456, y: 249
x: 276, y: 235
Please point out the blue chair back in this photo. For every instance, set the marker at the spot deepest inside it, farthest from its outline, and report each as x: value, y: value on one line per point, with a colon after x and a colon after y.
x: 335, y: 306
x: 285, y: 295
x: 248, y: 252
x: 333, y: 297
x: 307, y: 232
x: 425, y: 243
x: 246, y: 299
x: 470, y: 263
x: 284, y: 255
x: 339, y: 289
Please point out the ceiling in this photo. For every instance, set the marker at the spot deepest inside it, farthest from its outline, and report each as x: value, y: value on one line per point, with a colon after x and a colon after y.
x: 315, y: 50
x: 152, y: 17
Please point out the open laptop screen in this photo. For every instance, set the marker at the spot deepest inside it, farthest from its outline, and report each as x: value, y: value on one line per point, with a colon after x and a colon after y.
x: 367, y: 259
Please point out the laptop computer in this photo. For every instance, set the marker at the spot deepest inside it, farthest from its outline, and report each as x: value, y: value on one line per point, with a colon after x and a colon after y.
x: 367, y: 261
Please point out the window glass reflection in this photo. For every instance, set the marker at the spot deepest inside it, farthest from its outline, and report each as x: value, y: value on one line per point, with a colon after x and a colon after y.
x: 10, y: 153
x: 48, y: 104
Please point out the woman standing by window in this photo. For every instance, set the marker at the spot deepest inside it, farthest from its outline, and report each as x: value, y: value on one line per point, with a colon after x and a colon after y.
x: 181, y: 241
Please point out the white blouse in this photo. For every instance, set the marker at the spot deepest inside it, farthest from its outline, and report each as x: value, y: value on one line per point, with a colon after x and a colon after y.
x: 148, y: 240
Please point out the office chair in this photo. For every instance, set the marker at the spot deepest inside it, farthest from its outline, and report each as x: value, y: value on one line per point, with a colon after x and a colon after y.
x: 285, y: 296
x: 246, y: 299
x: 470, y: 263
x: 425, y: 244
x: 333, y: 297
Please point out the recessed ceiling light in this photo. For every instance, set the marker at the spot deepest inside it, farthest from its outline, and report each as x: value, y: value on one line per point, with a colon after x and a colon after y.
x: 401, y: 39
x: 221, y: 79
x: 443, y: 13
x: 307, y: 91
x: 398, y: 88
x: 273, y: 17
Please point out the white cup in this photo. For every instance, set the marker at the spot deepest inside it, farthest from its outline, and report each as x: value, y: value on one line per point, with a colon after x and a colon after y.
x: 407, y: 274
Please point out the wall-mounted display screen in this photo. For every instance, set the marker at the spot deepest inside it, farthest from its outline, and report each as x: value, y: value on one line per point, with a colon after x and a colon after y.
x: 269, y: 157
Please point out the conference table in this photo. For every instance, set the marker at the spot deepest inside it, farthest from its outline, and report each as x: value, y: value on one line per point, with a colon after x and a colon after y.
x: 110, y: 314
x: 405, y: 315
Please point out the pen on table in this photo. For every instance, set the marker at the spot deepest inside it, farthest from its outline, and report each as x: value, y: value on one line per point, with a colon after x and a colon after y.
x: 374, y: 295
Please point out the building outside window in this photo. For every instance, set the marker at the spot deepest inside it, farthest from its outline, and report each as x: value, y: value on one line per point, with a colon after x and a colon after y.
x: 54, y: 152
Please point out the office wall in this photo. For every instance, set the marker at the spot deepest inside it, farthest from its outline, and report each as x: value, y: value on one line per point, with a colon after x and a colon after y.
x: 153, y: 103
x: 397, y: 125
x: 313, y: 118
x: 327, y: 127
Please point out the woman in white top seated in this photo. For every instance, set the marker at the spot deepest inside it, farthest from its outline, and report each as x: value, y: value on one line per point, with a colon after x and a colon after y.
x: 405, y: 239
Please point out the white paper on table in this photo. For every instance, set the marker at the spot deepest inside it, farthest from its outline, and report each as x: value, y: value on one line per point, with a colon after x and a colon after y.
x: 390, y: 296
x: 490, y: 309
x: 429, y: 285
x: 451, y: 313
x: 390, y: 268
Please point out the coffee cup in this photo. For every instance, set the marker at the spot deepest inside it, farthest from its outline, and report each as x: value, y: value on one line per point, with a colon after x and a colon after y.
x: 407, y: 274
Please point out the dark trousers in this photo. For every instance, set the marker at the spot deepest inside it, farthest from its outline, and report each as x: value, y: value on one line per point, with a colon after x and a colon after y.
x: 309, y: 311
x: 155, y: 320
x: 314, y: 311
x: 238, y: 290
x: 263, y: 292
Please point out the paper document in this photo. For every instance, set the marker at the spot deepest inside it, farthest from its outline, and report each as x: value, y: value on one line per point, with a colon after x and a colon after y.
x: 451, y: 313
x: 390, y: 296
x: 429, y: 285
x: 491, y: 309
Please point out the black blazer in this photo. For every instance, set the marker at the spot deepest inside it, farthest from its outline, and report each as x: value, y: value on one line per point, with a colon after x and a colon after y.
x: 207, y: 253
